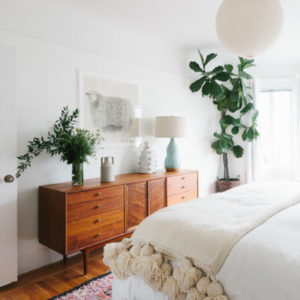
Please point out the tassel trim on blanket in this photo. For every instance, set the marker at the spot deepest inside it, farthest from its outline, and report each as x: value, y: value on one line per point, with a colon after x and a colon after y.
x: 183, y: 282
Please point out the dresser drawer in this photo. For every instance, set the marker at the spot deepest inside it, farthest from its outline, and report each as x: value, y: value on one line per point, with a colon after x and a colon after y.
x: 96, y: 194
x: 93, y: 207
x: 182, y: 197
x: 88, y: 238
x: 96, y: 221
x: 182, y: 183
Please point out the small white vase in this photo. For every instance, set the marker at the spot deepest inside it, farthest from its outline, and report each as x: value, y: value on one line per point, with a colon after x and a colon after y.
x: 107, y: 169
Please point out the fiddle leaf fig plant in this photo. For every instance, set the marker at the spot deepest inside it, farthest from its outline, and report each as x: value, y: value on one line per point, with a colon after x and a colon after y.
x: 231, y: 92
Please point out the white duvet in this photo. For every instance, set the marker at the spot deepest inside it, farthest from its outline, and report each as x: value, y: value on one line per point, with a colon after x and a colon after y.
x: 206, y: 229
x: 264, y: 264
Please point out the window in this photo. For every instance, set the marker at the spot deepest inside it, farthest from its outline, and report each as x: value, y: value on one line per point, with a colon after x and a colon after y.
x: 277, y: 133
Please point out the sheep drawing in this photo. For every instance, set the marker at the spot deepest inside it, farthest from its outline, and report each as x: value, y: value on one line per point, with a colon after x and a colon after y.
x: 110, y: 114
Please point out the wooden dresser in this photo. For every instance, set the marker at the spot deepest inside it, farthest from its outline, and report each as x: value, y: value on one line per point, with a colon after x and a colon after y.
x: 82, y: 218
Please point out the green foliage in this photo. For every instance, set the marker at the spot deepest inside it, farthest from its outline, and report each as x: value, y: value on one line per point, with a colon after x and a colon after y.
x: 194, y: 66
x: 230, y: 91
x: 238, y: 151
x: 72, y: 144
x: 197, y: 85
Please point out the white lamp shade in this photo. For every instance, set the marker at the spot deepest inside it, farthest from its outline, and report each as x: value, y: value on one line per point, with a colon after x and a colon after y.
x: 172, y: 126
x: 248, y: 27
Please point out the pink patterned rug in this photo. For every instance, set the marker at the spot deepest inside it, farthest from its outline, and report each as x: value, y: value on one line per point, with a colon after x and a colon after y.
x: 98, y: 288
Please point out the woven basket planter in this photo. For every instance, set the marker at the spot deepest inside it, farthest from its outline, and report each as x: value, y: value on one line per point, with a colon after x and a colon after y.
x: 224, y: 185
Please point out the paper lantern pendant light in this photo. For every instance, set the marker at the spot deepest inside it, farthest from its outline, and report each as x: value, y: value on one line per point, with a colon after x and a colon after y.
x: 249, y: 27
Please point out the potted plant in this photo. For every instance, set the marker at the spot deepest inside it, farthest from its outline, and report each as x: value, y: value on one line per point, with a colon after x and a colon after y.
x: 230, y: 91
x: 73, y: 145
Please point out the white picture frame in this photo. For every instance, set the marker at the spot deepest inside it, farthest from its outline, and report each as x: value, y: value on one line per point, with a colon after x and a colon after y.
x: 107, y: 104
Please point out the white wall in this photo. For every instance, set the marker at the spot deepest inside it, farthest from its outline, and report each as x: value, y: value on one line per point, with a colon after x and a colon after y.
x: 47, y: 67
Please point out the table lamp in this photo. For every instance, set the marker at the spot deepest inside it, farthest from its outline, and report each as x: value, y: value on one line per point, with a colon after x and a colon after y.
x: 171, y: 127
x: 135, y: 127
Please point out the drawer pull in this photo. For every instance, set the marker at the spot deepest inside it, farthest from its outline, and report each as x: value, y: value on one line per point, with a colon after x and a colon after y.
x: 98, y: 206
x: 98, y: 221
x: 98, y: 194
x: 182, y: 198
x: 182, y: 187
x: 182, y: 178
x: 98, y: 234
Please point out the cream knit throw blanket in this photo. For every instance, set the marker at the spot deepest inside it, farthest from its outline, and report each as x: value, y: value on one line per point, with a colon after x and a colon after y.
x: 199, y: 234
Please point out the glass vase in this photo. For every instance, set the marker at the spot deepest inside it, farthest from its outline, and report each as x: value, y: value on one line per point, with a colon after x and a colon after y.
x: 77, y: 173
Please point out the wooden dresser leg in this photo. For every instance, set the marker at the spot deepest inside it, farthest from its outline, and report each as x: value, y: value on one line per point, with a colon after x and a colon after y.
x: 86, y: 261
x: 65, y: 258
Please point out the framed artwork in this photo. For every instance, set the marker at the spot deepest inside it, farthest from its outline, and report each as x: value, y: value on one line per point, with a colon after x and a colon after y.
x: 107, y: 105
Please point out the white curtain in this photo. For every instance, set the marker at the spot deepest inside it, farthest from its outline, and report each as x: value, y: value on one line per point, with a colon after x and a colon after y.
x: 256, y: 153
x: 296, y: 144
x: 252, y: 157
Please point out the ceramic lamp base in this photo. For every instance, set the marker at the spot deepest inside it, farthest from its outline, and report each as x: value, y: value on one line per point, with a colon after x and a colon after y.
x: 172, y: 169
x: 172, y: 161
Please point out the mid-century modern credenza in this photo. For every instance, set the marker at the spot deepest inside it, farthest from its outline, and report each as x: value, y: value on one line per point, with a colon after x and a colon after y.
x: 82, y: 218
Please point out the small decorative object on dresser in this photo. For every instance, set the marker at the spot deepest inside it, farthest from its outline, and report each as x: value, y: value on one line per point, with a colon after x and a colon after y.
x: 107, y: 169
x: 72, y: 144
x: 86, y: 217
x: 148, y: 162
x: 171, y: 127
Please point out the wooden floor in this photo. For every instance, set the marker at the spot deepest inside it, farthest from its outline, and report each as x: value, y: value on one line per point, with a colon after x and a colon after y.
x: 54, y: 279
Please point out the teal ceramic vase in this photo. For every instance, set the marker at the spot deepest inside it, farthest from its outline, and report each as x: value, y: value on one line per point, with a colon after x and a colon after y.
x: 172, y: 161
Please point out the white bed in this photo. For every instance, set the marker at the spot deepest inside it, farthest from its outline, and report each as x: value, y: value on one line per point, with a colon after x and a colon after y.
x: 264, y: 264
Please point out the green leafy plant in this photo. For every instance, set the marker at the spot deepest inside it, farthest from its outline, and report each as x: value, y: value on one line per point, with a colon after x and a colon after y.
x: 72, y: 144
x: 231, y: 92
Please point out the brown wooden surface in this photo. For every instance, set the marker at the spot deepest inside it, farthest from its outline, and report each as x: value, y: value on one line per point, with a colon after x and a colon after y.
x: 81, y: 217
x: 95, y: 183
x: 86, y: 252
x: 182, y: 183
x: 137, y: 204
x: 52, y: 212
x: 95, y: 194
x: 182, y: 197
x: 54, y: 279
x: 89, y: 238
x: 156, y: 195
x: 90, y: 208
x: 86, y: 261
x: 95, y: 222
